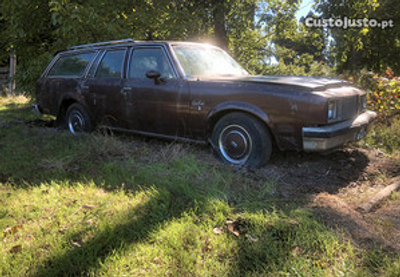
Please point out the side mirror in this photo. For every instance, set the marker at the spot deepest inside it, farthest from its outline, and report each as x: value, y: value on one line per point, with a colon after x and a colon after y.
x: 154, y: 74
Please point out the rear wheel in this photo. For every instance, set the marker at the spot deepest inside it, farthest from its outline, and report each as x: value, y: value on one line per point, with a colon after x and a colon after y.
x: 241, y: 139
x: 77, y: 119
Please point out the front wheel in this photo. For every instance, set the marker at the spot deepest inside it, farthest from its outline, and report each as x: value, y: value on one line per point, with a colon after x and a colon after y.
x: 241, y: 139
x: 77, y: 120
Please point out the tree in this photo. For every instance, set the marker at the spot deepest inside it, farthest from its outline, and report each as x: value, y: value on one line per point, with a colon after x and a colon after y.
x: 35, y: 30
x: 372, y: 48
x: 298, y: 49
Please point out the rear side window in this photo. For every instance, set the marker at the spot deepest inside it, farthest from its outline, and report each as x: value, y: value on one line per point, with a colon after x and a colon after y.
x: 71, y: 65
x: 111, y: 64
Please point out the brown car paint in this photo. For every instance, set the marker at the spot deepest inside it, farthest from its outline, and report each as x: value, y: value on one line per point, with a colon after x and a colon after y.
x: 188, y: 108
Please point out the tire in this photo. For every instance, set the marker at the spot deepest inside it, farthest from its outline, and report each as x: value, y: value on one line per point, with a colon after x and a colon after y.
x: 77, y: 120
x: 242, y: 140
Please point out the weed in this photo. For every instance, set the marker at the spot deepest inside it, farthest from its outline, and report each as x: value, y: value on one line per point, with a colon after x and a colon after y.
x: 385, y: 136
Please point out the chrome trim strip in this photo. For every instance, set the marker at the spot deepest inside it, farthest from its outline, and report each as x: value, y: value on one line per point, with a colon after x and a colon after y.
x: 155, y: 135
x: 103, y: 43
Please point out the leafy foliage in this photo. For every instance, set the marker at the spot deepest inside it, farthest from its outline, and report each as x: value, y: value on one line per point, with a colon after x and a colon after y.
x: 356, y: 48
x: 383, y: 91
x: 35, y: 30
x: 254, y: 32
x: 298, y: 50
x: 385, y: 94
x: 314, y: 69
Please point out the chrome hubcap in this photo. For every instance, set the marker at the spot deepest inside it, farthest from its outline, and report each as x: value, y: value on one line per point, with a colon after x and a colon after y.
x: 76, y: 123
x: 235, y: 144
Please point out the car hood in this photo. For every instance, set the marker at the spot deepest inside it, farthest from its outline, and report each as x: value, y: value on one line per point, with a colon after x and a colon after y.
x: 304, y: 82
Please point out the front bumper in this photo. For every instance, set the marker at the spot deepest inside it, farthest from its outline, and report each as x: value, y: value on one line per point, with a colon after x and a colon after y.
x: 331, y: 136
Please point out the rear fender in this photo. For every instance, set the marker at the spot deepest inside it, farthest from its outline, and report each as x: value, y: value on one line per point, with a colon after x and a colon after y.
x: 67, y: 100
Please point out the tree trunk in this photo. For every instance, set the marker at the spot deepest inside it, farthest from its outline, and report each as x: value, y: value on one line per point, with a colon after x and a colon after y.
x: 220, y: 36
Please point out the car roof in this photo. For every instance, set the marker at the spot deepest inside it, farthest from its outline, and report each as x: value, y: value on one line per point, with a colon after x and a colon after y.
x: 127, y: 42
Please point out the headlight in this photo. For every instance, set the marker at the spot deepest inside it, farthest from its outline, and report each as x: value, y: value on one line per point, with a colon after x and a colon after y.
x: 332, y: 110
x: 363, y: 103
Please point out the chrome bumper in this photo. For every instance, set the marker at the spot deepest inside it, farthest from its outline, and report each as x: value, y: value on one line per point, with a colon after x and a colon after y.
x: 331, y: 136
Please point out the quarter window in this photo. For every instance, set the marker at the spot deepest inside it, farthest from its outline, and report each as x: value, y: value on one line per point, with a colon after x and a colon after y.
x: 144, y: 60
x: 71, y: 65
x: 111, y: 64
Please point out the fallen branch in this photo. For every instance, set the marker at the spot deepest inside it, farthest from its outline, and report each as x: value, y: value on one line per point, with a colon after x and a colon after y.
x: 380, y: 196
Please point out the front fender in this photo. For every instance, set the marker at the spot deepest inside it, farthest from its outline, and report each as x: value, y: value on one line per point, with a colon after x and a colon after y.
x: 231, y: 106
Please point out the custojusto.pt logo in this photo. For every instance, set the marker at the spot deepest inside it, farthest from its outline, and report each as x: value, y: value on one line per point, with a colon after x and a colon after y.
x: 346, y: 23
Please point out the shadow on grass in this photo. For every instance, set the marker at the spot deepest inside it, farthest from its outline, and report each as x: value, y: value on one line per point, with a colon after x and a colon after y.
x: 163, y: 206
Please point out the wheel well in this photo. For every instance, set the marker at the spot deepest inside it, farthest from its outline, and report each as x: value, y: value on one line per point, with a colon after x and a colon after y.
x: 64, y: 107
x: 215, y: 118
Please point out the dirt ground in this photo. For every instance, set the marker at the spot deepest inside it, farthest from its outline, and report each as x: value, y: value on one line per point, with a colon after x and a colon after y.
x: 336, y: 185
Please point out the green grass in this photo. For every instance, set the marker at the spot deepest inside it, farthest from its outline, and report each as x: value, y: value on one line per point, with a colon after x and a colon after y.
x: 100, y: 205
x: 385, y: 136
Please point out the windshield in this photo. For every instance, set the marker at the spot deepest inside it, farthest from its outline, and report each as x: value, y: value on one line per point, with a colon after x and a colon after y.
x: 206, y: 61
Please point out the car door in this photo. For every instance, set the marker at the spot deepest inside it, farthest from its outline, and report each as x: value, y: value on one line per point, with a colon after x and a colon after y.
x: 63, y: 79
x: 157, y: 105
x: 103, y: 85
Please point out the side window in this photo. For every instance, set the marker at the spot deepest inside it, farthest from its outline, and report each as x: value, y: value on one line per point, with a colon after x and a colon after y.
x: 144, y: 60
x: 111, y: 64
x: 71, y: 65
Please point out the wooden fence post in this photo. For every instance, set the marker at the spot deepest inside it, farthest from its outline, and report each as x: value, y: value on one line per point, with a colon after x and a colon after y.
x: 13, y: 68
x: 4, y: 73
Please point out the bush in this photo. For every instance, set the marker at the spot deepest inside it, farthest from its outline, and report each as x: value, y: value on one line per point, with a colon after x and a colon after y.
x: 385, y: 135
x: 383, y: 91
x: 384, y: 96
x: 318, y: 69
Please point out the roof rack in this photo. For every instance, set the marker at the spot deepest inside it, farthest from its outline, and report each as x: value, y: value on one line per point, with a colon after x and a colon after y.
x: 111, y: 42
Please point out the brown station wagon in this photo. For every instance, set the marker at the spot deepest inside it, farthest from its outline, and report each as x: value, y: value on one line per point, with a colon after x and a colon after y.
x: 197, y: 92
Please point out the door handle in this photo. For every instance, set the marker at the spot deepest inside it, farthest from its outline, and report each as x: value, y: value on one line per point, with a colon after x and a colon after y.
x: 126, y: 89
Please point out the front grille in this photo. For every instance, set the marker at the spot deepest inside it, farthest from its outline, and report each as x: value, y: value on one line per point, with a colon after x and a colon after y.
x: 348, y: 107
